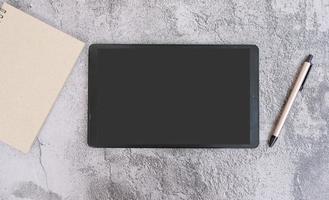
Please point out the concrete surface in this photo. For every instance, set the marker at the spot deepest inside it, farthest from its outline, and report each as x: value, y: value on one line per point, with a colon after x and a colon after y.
x: 62, y: 166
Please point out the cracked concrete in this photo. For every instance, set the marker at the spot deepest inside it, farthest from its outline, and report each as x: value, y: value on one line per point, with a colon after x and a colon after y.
x: 41, y: 164
x: 62, y: 166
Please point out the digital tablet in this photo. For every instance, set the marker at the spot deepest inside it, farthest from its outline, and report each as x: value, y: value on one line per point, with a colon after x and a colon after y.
x: 172, y: 96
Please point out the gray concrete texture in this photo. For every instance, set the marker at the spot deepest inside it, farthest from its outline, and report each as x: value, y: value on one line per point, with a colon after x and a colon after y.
x: 62, y: 166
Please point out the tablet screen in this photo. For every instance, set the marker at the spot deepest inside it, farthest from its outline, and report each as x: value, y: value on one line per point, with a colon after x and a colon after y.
x: 169, y: 96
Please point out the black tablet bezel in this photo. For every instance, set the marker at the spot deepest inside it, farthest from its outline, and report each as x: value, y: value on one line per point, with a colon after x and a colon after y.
x: 254, y: 97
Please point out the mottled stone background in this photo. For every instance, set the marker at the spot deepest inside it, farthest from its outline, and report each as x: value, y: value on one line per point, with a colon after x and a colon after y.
x: 62, y: 166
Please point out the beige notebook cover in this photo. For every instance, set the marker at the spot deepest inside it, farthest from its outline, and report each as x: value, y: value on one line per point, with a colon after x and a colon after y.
x: 35, y: 60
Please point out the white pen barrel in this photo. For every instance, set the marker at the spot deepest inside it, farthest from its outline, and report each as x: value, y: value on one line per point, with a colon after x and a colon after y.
x: 291, y: 98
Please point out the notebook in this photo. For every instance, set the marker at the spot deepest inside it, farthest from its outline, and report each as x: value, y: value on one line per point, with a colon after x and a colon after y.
x: 35, y: 60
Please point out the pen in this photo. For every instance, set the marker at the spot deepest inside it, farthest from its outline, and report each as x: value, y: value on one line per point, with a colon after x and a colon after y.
x: 298, y: 86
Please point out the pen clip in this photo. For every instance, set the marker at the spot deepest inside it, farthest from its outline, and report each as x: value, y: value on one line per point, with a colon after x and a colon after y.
x: 302, y: 86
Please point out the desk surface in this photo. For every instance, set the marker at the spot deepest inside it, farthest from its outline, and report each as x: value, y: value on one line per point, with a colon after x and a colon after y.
x: 62, y: 166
